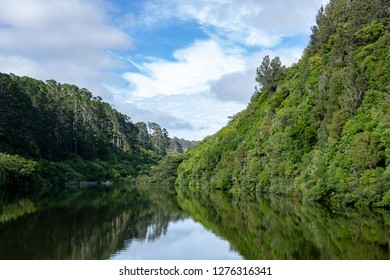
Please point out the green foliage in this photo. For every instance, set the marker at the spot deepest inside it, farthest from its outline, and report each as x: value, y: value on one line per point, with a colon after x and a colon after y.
x: 59, y: 172
x: 164, y: 173
x: 16, y: 171
x: 322, y: 129
x: 366, y: 151
x: 385, y: 202
x: 371, y: 32
x: 270, y: 73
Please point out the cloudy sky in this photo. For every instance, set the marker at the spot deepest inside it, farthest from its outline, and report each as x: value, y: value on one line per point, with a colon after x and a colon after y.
x: 186, y: 65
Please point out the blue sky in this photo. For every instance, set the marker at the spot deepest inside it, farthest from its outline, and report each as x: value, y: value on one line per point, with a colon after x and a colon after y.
x: 186, y: 65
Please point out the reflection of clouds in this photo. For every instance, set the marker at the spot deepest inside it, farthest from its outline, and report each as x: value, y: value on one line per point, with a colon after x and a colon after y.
x: 184, y: 239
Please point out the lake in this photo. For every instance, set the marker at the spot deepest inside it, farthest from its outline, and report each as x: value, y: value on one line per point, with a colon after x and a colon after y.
x: 128, y: 222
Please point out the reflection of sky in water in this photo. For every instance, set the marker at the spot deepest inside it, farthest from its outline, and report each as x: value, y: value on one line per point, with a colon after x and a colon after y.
x: 184, y: 240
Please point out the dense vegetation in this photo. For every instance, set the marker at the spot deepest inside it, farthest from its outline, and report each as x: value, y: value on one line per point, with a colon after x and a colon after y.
x: 52, y: 133
x: 319, y: 129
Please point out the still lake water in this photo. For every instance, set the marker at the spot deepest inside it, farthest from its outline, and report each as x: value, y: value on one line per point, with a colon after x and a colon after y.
x: 154, y: 223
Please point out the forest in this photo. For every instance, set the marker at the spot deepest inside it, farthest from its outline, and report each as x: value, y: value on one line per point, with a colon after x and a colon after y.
x: 52, y: 133
x: 318, y: 130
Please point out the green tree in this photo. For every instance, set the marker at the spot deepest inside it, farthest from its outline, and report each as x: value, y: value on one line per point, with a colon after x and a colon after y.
x: 367, y: 151
x: 269, y: 73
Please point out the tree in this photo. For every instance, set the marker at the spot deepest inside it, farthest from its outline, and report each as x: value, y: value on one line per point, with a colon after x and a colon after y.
x: 143, y: 137
x: 159, y: 138
x: 16, y: 113
x: 367, y: 151
x: 269, y: 73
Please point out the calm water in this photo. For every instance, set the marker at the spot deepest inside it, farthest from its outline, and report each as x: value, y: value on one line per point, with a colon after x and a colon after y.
x: 155, y: 223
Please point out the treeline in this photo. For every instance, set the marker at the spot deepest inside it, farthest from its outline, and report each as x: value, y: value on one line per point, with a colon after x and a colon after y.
x: 319, y: 129
x: 51, y: 133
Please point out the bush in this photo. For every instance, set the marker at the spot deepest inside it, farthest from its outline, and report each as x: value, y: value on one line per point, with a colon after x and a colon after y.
x: 17, y: 171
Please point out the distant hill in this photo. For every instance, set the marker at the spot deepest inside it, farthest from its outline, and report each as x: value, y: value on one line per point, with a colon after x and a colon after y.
x: 319, y: 129
x: 186, y: 144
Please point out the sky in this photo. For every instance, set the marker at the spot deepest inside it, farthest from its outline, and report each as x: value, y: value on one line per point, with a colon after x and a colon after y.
x: 186, y: 65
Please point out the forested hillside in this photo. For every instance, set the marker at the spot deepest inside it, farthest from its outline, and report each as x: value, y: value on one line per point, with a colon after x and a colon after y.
x: 52, y: 133
x: 319, y: 129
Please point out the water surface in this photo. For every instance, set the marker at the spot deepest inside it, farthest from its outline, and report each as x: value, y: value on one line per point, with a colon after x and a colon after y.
x: 103, y: 223
x: 127, y: 222
x: 184, y: 239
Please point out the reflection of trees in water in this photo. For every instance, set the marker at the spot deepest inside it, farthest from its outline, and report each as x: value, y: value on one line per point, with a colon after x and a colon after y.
x: 97, y: 222
x: 87, y: 223
x: 158, y: 226
x: 277, y: 228
x: 166, y: 209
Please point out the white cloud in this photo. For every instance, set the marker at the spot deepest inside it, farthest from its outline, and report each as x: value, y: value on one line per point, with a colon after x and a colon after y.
x: 239, y: 86
x: 203, y: 114
x: 191, y: 72
x: 251, y: 22
x: 62, y: 40
x: 140, y: 113
x: 56, y: 27
x: 235, y: 87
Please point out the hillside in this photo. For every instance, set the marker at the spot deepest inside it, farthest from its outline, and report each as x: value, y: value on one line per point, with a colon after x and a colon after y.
x: 319, y: 129
x: 51, y: 133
